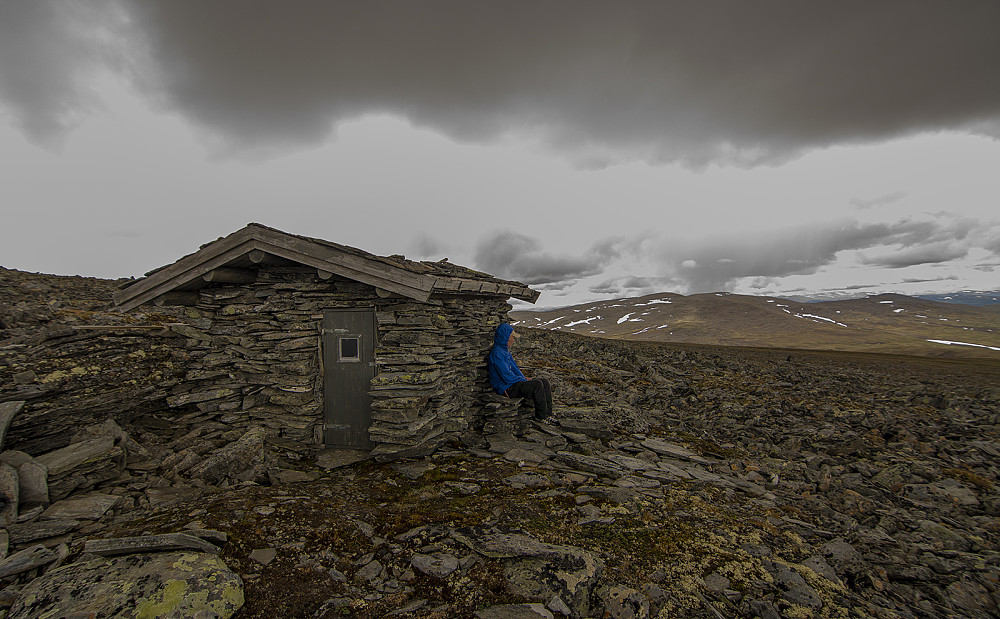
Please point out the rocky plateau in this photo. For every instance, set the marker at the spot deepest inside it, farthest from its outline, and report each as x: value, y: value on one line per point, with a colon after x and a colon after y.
x: 676, y: 481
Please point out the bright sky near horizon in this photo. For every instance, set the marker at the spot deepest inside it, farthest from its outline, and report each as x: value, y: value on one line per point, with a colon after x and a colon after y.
x: 590, y: 149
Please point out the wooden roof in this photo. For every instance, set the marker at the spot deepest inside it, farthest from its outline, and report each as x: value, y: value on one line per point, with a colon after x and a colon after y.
x: 257, y: 244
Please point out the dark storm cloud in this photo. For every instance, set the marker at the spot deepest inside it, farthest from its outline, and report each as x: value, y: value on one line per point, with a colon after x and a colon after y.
x: 743, y: 82
x: 516, y: 256
x: 923, y: 254
x: 924, y: 280
x: 635, y: 286
x: 555, y: 286
x: 716, y: 263
x: 47, y: 51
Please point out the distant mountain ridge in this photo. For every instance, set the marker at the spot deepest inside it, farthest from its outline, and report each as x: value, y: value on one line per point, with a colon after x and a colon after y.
x: 885, y: 323
x: 963, y: 297
x: 966, y: 297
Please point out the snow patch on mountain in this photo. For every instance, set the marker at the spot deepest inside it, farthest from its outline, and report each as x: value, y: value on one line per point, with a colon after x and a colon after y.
x: 950, y: 343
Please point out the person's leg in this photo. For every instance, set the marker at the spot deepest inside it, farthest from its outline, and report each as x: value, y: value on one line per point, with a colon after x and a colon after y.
x: 533, y: 389
x: 547, y: 393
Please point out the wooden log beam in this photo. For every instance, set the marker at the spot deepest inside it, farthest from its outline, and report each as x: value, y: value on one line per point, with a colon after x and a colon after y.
x: 180, y: 297
x: 257, y: 256
x: 224, y: 275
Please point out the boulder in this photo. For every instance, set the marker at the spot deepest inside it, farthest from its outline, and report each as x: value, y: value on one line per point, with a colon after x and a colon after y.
x: 242, y: 460
x: 170, y: 584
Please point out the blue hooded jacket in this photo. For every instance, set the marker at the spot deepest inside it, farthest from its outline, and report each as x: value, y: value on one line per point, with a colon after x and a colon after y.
x: 503, y: 370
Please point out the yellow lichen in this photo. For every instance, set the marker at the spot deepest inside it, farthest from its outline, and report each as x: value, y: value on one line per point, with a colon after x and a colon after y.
x: 164, y: 601
x: 798, y: 612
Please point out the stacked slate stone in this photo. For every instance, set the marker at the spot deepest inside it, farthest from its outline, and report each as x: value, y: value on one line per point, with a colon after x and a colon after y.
x: 432, y: 372
x: 71, y: 377
x: 253, y: 355
x: 254, y: 358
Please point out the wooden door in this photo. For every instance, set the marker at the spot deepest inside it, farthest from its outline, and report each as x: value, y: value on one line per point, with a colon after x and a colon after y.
x: 348, y: 367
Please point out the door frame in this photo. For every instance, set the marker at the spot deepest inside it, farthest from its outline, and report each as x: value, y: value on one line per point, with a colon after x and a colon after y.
x: 348, y: 363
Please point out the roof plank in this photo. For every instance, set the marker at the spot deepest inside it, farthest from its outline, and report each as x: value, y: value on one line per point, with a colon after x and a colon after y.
x: 256, y: 244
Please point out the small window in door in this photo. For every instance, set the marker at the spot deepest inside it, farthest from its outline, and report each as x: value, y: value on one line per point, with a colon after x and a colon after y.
x: 350, y: 349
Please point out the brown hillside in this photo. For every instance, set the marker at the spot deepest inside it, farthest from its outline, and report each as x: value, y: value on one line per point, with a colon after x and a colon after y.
x: 884, y: 323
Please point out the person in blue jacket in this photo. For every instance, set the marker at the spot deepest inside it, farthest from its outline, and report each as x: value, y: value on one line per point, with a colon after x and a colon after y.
x: 508, y: 380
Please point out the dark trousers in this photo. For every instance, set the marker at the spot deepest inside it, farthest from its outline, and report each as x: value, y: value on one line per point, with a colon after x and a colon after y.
x: 539, y: 390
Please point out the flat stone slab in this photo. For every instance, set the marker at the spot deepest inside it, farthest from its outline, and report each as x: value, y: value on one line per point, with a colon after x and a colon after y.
x: 168, y: 495
x: 590, y: 464
x: 72, y: 456
x: 515, y: 611
x: 27, y: 559
x: 337, y: 458
x: 675, y: 469
x: 42, y: 529
x: 170, y: 584
x: 147, y: 543
x: 88, y: 507
x: 673, y: 450
x: 633, y: 464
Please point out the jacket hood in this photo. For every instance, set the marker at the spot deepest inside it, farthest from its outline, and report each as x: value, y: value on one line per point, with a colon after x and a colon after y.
x: 502, y: 335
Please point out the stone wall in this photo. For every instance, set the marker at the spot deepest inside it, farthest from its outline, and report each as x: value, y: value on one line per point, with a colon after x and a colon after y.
x: 255, y: 358
x: 431, y: 379
x: 73, y: 376
x: 249, y: 355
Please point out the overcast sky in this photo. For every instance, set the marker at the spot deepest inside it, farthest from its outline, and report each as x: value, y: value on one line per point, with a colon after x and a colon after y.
x: 589, y: 149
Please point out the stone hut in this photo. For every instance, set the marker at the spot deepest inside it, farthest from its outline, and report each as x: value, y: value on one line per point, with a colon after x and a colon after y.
x: 327, y: 344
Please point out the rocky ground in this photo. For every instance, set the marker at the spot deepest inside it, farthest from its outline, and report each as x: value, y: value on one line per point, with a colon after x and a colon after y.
x: 679, y: 481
